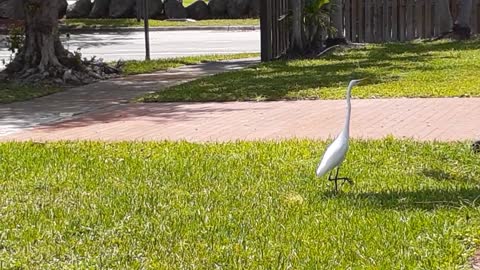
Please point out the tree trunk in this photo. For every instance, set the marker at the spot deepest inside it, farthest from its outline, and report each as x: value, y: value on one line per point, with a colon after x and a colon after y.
x: 464, y: 14
x: 443, y: 18
x: 43, y: 57
x: 42, y: 47
x: 297, y: 31
x: 461, y: 28
x: 337, y: 18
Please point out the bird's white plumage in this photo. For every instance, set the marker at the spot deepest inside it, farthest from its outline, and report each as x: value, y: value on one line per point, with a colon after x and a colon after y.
x: 334, y: 155
x: 336, y: 152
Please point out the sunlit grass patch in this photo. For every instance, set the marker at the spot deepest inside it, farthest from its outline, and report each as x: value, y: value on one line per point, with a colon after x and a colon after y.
x: 415, y: 69
x: 245, y: 205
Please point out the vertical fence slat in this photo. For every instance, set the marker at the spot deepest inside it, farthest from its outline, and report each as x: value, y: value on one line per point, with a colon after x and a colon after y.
x: 379, y: 18
x: 454, y: 8
x: 265, y: 24
x: 417, y: 18
x: 286, y: 41
x: 375, y: 21
x: 275, y: 27
x: 410, y: 33
x: 474, y: 18
x: 401, y: 20
x: 386, y: 20
x: 361, y: 20
x: 428, y: 19
x: 280, y: 27
x: 348, y: 20
x: 354, y: 20
x: 395, y: 27
x: 434, y: 18
x: 368, y: 21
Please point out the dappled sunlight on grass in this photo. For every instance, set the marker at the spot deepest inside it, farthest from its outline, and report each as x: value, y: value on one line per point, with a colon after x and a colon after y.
x: 416, y: 69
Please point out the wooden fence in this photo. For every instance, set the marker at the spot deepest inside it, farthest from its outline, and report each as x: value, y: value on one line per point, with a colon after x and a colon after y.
x: 274, y: 28
x: 396, y: 20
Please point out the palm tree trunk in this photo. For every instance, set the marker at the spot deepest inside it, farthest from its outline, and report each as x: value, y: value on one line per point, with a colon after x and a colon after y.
x: 336, y: 14
x: 461, y: 28
x: 297, y: 31
x: 443, y: 18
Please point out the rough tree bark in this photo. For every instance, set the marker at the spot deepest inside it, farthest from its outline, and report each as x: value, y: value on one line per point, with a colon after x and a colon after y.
x: 336, y: 14
x: 42, y: 56
x: 461, y: 27
x: 297, y: 31
x: 336, y: 18
x: 42, y: 48
x: 443, y: 18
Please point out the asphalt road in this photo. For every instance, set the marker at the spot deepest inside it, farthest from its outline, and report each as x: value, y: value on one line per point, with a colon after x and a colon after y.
x: 164, y: 44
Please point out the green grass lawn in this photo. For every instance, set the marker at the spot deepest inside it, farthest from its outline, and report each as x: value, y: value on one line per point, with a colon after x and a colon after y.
x: 11, y: 92
x: 158, y: 23
x: 244, y: 205
x: 137, y: 67
x: 435, y: 69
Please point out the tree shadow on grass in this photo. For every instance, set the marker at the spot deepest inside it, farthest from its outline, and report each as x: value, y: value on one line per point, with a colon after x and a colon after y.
x: 287, y: 79
x: 424, y: 199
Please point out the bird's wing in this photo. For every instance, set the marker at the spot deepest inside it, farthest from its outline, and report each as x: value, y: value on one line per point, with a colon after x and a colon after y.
x: 334, y: 156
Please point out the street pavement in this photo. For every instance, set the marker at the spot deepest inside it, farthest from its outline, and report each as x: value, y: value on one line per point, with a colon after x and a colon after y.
x: 164, y: 44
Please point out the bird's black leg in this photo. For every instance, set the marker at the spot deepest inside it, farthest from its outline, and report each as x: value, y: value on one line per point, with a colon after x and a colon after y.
x: 336, y: 178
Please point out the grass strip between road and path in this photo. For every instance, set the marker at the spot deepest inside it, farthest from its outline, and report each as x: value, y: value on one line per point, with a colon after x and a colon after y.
x: 12, y: 92
x: 242, y: 205
x: 413, y: 69
x: 158, y: 23
x: 137, y: 67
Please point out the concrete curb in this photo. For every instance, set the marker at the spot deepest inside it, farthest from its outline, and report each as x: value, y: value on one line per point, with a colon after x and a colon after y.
x: 65, y: 29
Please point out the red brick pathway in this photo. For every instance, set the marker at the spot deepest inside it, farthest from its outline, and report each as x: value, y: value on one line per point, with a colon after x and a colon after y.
x: 422, y: 119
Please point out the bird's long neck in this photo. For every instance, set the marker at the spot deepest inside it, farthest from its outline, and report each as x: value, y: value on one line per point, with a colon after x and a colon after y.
x: 346, y: 129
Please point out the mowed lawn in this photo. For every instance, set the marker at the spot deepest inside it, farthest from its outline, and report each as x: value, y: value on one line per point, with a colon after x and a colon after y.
x: 244, y: 205
x: 415, y: 69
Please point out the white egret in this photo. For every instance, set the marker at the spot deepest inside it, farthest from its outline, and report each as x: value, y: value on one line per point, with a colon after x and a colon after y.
x: 336, y: 152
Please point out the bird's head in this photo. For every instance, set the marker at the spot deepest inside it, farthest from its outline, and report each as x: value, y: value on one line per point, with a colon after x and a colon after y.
x: 356, y: 82
x: 353, y: 83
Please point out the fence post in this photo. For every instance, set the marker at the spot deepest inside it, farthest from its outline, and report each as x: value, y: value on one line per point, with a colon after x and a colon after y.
x: 395, y: 28
x: 266, y: 30
x: 348, y: 20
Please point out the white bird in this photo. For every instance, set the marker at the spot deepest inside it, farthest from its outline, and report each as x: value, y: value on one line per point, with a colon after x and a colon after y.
x: 336, y: 152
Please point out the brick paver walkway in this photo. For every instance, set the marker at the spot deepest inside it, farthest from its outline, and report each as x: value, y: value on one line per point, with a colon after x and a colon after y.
x: 100, y: 112
x: 89, y: 98
x: 423, y: 119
